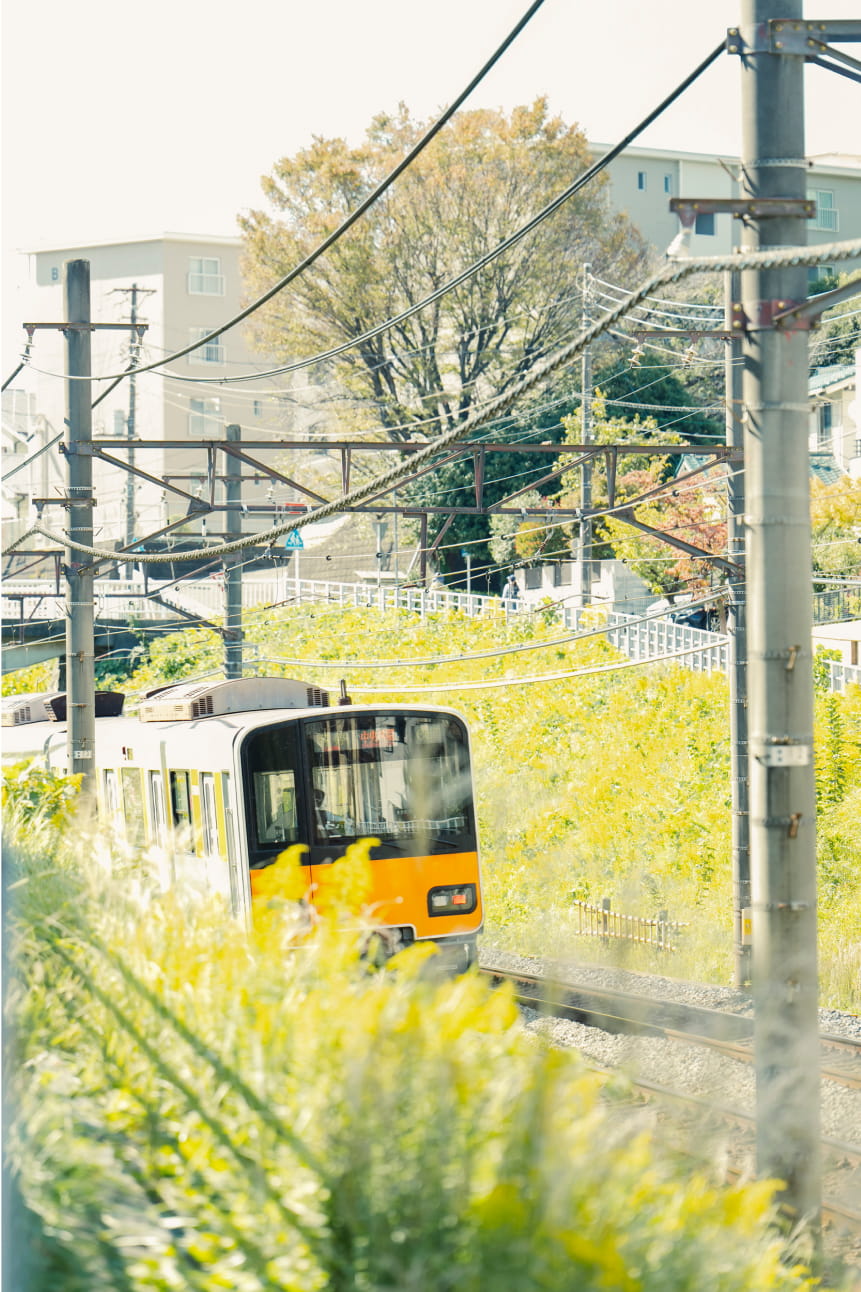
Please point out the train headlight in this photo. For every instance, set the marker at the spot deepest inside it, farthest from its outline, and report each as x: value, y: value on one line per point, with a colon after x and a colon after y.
x: 452, y: 899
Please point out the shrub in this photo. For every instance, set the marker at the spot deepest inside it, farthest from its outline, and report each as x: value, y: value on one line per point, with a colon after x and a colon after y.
x: 197, y: 1109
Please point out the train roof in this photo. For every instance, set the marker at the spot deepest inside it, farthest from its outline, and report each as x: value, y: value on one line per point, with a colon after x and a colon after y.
x: 189, y: 716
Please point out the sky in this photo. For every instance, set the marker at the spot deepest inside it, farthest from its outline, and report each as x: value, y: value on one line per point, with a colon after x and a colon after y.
x: 120, y: 122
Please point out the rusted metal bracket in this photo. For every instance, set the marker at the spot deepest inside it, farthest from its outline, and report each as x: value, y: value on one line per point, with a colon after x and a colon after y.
x: 786, y: 315
x: 87, y: 501
x: 743, y: 208
x: 699, y: 552
x: 812, y: 309
x: 140, y: 328
x: 807, y: 40
x: 687, y: 334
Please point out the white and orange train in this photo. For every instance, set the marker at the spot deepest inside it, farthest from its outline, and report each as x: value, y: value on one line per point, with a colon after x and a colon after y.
x: 223, y: 776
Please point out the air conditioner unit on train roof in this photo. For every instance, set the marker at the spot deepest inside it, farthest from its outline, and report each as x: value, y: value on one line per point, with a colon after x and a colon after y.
x: 232, y: 695
x: 50, y: 706
x: 20, y: 710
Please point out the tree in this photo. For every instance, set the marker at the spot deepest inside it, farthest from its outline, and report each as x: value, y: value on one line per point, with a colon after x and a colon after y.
x: 693, y: 515
x: 482, y: 178
x: 835, y: 518
x: 658, y: 384
x: 839, y: 334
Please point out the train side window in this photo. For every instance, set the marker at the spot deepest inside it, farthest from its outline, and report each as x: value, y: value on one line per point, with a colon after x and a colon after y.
x: 275, y: 812
x: 208, y: 814
x: 272, y: 759
x: 156, y: 808
x: 180, y: 806
x: 133, y: 805
x: 180, y: 799
x: 112, y: 798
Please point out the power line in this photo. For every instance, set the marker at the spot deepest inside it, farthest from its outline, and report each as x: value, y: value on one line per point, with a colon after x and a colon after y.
x: 586, y: 177
x: 497, y: 653
x: 675, y: 271
x: 499, y: 683
x: 363, y: 206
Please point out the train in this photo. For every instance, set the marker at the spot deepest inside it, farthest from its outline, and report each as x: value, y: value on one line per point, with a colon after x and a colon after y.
x: 220, y: 777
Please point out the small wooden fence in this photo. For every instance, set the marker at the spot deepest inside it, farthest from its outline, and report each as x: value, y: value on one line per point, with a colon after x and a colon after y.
x: 602, y: 922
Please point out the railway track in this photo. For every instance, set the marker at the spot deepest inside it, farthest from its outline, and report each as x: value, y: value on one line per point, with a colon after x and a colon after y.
x: 615, y: 1011
x: 722, y: 1033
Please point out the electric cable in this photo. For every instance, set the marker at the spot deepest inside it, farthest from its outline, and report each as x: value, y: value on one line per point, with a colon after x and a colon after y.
x: 586, y: 177
x: 497, y: 683
x: 363, y: 206
x: 674, y: 271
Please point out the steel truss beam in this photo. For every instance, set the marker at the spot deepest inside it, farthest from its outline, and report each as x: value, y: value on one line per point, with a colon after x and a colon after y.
x: 198, y: 508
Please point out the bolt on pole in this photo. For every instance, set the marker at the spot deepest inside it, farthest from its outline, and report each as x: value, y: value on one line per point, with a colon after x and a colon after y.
x: 780, y: 621
x: 80, y: 641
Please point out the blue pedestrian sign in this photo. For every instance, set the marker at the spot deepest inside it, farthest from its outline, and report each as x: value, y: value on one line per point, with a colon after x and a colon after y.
x: 294, y: 539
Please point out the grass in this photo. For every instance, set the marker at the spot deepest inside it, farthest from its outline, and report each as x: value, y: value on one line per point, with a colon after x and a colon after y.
x: 611, y: 785
x: 199, y: 1109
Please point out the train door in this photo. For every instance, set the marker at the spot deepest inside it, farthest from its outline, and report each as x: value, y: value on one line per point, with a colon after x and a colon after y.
x: 186, y: 864
x: 160, y: 834
x: 214, y: 860
x: 240, y: 892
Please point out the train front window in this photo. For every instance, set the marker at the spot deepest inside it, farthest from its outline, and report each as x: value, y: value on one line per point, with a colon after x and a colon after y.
x: 272, y: 774
x: 401, y: 778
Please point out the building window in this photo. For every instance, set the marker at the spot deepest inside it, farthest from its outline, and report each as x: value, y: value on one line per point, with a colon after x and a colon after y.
x: 641, y: 180
x: 826, y: 216
x: 204, y: 418
x: 824, y: 423
x: 705, y: 224
x: 668, y: 183
x: 821, y: 278
x: 212, y: 352
x: 205, y: 277
x: 258, y: 408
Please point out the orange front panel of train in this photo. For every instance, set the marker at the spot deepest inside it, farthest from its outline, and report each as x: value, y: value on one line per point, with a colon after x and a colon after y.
x: 405, y: 890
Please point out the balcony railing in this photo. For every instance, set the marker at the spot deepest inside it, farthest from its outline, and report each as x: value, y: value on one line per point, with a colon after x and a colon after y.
x: 826, y: 218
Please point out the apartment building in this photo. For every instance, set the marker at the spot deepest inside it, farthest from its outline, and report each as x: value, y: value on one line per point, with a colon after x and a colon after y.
x: 835, y: 418
x: 642, y: 181
x: 180, y: 286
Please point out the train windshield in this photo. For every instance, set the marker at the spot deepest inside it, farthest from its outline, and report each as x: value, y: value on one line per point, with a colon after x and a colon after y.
x: 401, y: 778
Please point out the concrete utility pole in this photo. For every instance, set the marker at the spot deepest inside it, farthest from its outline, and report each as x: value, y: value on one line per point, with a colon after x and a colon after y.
x: 131, y: 421
x: 737, y: 630
x: 130, y: 428
x: 80, y: 615
x: 585, y: 563
x: 780, y: 680
x: 233, y: 563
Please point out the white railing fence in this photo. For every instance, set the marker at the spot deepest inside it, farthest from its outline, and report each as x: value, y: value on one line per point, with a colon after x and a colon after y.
x: 204, y: 598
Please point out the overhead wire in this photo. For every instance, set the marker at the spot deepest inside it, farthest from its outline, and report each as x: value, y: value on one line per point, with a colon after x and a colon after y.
x: 673, y: 272
x: 494, y: 653
x: 355, y: 215
x: 586, y: 177
x: 499, y: 683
